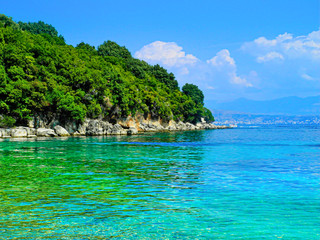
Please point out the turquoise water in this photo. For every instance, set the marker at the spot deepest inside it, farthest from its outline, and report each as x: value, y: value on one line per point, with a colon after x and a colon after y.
x: 244, y: 183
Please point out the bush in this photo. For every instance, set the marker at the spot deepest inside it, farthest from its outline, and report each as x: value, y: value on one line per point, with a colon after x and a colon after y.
x: 7, y: 121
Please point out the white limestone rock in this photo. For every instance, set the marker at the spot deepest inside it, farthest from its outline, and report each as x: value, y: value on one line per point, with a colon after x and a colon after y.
x: 19, y: 132
x: 132, y: 131
x: 45, y: 132
x: 62, y: 132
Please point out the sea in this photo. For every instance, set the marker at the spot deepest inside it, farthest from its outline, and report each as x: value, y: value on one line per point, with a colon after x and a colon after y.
x: 249, y: 182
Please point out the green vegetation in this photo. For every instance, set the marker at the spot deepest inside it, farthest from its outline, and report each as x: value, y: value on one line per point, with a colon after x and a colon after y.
x: 194, y: 92
x: 41, y: 74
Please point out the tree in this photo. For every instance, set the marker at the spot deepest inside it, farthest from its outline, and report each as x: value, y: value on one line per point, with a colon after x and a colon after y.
x: 194, y: 92
x: 110, y: 48
x: 41, y: 75
x: 167, y: 78
x: 46, y: 30
x: 208, y: 117
x: 86, y: 47
x: 8, y: 22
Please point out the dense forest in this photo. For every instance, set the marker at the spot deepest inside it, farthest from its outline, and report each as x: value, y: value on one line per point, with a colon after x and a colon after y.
x: 41, y: 74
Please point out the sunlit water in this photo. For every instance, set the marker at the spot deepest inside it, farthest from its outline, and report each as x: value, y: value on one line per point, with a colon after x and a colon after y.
x: 244, y: 183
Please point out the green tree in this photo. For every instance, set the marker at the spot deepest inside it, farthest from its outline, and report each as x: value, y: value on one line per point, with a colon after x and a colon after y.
x: 8, y: 22
x: 47, y: 30
x: 194, y: 92
x: 41, y: 75
x: 167, y: 78
x: 38, y: 28
x: 86, y: 47
x: 110, y: 48
x: 208, y: 117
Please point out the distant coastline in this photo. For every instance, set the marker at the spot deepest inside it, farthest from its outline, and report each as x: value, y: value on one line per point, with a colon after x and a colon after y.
x: 223, y: 117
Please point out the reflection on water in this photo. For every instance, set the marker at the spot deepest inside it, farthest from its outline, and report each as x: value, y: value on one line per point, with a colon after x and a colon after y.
x: 201, y: 184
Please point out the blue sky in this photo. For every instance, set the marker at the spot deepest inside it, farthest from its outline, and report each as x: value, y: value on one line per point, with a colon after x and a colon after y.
x: 257, y: 49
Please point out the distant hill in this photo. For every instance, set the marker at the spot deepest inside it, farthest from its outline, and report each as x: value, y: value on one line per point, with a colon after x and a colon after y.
x: 280, y: 106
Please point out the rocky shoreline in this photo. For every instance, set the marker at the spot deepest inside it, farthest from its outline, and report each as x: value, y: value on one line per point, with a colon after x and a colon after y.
x: 102, y: 128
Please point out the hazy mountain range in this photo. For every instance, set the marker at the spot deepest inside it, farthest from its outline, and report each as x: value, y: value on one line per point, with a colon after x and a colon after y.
x: 280, y: 106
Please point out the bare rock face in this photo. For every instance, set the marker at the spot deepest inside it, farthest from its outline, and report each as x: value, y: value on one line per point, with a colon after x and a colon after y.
x: 82, y: 129
x: 132, y: 131
x: 99, y: 128
x: 5, y: 132
x: 150, y: 127
x: 45, y: 132
x: 94, y: 128
x: 60, y: 131
x: 77, y: 134
x: 19, y: 132
x: 190, y: 126
x: 117, y: 130
x: 31, y: 132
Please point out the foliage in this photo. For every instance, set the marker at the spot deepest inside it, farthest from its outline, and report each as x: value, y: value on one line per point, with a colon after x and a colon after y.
x: 42, y: 28
x: 8, y: 22
x: 110, y: 48
x: 167, y: 78
x: 194, y: 92
x: 207, y: 114
x: 40, y: 74
x: 7, y: 121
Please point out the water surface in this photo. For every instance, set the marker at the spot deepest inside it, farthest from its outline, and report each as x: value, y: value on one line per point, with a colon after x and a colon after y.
x: 244, y: 183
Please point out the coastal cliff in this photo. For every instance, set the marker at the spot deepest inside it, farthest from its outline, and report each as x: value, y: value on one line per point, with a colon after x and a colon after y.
x: 95, y: 127
x: 45, y: 83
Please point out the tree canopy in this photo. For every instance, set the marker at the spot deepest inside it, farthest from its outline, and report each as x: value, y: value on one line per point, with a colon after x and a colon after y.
x: 194, y: 92
x: 41, y: 75
x: 110, y: 48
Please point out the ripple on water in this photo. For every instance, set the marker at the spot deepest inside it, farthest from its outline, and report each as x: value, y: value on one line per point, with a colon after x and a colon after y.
x: 245, y: 183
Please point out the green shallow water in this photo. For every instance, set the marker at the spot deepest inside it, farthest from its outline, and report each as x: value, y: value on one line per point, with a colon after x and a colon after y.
x: 245, y: 183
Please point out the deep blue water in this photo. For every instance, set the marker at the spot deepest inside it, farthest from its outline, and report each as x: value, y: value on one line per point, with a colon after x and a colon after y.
x: 243, y: 183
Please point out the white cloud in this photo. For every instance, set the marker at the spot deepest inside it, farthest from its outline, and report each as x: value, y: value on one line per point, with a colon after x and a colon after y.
x: 222, y: 58
x: 269, y: 57
x: 307, y: 77
x: 223, y: 77
x: 286, y: 45
x: 184, y: 71
x: 172, y: 56
x: 262, y: 41
x: 210, y: 88
x: 224, y: 63
x: 166, y: 53
x: 238, y: 80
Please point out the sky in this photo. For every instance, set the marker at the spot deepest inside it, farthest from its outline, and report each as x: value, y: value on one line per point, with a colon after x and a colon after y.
x: 254, y: 49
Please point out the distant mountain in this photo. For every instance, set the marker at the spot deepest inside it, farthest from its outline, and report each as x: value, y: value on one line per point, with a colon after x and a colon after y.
x: 225, y: 118
x: 280, y: 106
